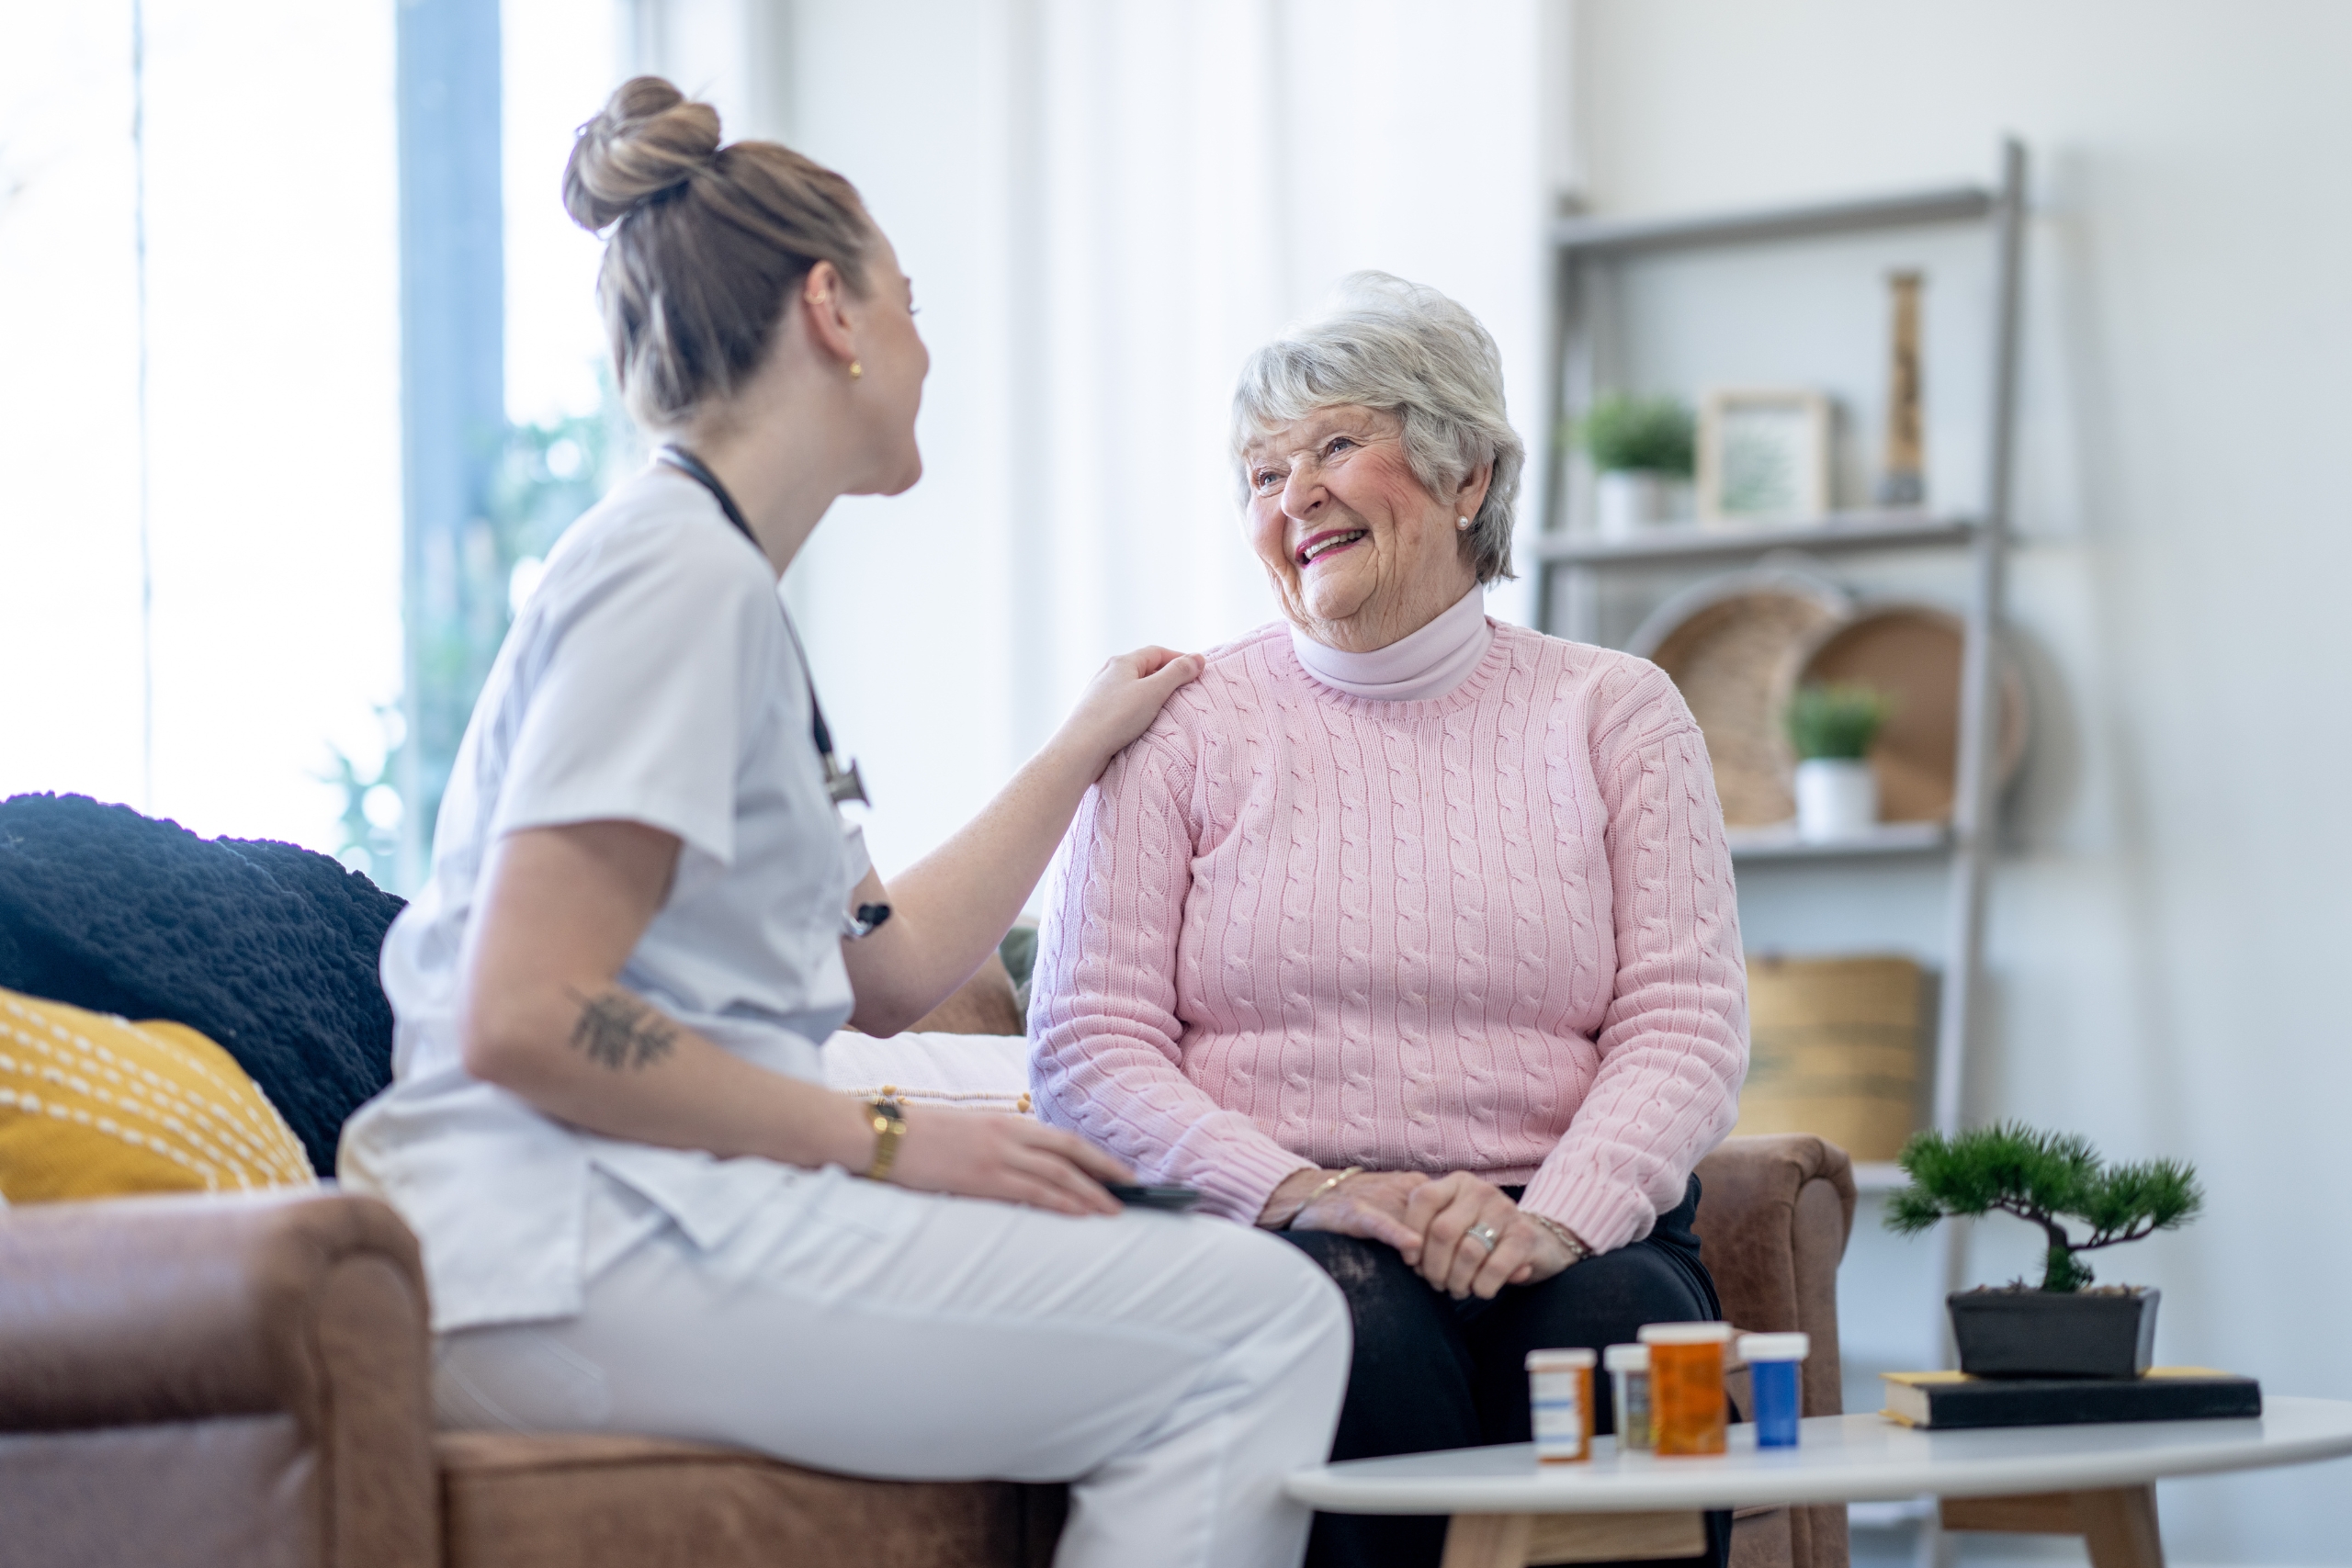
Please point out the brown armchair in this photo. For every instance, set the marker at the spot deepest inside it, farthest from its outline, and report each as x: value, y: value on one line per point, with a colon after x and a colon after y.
x: 195, y: 1380
x: 1772, y: 1226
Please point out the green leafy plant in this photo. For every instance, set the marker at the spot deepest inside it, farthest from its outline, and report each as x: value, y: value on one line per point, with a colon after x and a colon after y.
x: 1623, y: 432
x: 1836, y: 721
x: 372, y: 807
x: 2044, y: 1178
x: 541, y: 478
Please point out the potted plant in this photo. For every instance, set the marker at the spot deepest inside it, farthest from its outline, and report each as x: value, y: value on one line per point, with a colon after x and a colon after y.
x: 1832, y: 728
x: 2063, y: 1328
x: 1642, y: 448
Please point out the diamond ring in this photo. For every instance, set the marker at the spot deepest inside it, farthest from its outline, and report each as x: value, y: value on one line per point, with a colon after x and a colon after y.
x: 1485, y: 1236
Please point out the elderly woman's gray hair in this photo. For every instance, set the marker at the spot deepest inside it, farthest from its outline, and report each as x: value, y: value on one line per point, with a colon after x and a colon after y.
x: 1388, y: 343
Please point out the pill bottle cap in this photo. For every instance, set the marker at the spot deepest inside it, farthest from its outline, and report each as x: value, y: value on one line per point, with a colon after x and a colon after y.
x: 1685, y: 1333
x: 1774, y: 1346
x: 1555, y: 1361
x: 1626, y: 1358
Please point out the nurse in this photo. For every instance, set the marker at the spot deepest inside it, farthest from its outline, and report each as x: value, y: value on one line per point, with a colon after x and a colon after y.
x: 639, y: 1208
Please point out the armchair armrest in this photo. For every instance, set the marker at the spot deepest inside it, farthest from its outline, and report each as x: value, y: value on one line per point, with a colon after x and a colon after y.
x: 1774, y: 1215
x: 276, y: 1344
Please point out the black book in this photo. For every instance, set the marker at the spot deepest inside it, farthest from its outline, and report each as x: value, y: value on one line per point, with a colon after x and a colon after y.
x: 1948, y: 1401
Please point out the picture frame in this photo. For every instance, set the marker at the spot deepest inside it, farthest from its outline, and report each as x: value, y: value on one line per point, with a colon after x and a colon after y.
x: 1763, y: 456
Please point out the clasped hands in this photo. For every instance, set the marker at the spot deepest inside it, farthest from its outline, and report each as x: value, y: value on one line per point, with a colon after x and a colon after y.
x: 1429, y: 1220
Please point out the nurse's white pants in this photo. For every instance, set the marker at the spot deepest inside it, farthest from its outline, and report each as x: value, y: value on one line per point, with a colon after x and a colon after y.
x: 1174, y: 1370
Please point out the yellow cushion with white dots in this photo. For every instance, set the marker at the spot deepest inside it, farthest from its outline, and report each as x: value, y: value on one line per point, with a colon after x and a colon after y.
x: 92, y: 1106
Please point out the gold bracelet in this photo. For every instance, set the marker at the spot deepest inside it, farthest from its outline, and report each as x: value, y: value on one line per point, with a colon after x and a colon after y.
x: 889, y: 1123
x: 1329, y: 1183
x: 1578, y: 1251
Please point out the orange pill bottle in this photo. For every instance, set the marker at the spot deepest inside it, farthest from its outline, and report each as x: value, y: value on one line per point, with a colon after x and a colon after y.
x: 1559, y: 1393
x: 1687, y: 1404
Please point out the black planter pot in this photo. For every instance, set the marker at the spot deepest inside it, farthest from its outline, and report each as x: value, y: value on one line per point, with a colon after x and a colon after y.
x: 2039, y: 1334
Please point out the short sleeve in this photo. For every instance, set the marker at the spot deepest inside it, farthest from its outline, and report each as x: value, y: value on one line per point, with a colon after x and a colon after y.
x: 639, y: 685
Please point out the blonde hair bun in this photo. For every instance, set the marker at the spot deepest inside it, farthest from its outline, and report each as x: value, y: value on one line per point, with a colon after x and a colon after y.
x: 704, y: 244
x: 649, y: 139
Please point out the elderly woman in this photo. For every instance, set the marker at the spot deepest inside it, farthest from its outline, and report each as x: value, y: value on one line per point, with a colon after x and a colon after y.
x: 1403, y: 932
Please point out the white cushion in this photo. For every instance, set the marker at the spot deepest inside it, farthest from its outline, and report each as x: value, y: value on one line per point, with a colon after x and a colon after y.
x: 985, y: 1072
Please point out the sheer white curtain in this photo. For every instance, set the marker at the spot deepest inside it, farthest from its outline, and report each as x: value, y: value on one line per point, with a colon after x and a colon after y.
x: 263, y: 616
x: 1104, y: 206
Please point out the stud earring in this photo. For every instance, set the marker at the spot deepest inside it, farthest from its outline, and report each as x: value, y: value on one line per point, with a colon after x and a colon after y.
x: 1461, y: 523
x: 855, y: 370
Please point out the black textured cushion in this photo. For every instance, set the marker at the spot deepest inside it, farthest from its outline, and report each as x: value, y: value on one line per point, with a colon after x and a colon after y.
x: 266, y: 948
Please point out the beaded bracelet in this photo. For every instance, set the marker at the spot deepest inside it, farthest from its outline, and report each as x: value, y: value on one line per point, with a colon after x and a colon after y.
x: 1329, y: 1183
x: 1578, y: 1251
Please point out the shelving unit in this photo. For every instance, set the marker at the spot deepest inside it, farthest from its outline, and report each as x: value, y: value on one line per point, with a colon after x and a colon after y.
x: 1571, y: 559
x: 1887, y: 839
x: 1682, y: 544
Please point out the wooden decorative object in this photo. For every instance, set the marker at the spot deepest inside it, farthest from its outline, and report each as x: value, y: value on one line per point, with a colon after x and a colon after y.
x: 1732, y: 644
x: 1903, y: 481
x: 1834, y: 1050
x: 1912, y: 652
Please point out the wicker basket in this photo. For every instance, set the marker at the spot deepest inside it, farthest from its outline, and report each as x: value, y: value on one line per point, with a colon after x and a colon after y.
x: 1912, y: 654
x: 1835, y: 1049
x: 1732, y: 644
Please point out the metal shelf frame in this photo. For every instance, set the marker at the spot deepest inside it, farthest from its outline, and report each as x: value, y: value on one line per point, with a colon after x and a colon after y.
x: 1568, y: 560
x: 1889, y: 839
x: 1626, y: 236
x: 1675, y: 543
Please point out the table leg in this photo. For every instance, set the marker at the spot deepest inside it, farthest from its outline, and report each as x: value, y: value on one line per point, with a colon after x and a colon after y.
x: 1521, y: 1541
x: 1488, y: 1541
x: 2120, y: 1525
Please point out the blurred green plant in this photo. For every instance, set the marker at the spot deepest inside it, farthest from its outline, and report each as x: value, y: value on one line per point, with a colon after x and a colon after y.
x: 370, y: 824
x: 544, y: 475
x: 1835, y: 720
x: 2043, y: 1178
x: 1621, y: 432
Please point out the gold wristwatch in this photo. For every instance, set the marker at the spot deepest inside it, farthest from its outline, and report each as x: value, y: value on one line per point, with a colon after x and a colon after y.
x: 889, y: 1123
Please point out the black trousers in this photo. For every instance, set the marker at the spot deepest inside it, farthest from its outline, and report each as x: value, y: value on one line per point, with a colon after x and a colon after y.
x: 1431, y: 1372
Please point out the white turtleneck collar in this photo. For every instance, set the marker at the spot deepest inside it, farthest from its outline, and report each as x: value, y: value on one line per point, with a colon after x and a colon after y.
x: 1415, y: 667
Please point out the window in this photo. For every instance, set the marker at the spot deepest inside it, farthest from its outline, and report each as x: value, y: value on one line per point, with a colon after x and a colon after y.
x: 201, y: 428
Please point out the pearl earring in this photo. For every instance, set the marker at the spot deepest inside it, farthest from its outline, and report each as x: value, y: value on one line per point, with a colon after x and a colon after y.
x: 1461, y: 523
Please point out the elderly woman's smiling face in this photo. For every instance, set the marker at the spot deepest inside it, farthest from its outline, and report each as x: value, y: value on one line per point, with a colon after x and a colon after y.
x: 1359, y: 552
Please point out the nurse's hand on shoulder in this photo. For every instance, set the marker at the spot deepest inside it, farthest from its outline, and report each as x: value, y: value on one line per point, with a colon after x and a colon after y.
x: 1123, y: 699
x: 986, y: 1154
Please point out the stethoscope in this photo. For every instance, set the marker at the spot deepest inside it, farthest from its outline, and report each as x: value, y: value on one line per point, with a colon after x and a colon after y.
x: 841, y: 784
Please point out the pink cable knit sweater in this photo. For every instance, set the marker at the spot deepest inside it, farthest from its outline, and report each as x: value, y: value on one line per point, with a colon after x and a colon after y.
x: 1491, y: 931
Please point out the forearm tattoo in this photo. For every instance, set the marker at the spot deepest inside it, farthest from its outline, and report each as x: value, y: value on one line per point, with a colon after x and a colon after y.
x: 618, y: 1031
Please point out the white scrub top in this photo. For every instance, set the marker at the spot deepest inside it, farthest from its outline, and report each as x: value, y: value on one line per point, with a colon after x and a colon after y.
x: 649, y: 679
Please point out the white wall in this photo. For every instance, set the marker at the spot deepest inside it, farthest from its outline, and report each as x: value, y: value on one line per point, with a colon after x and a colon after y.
x: 2163, y: 932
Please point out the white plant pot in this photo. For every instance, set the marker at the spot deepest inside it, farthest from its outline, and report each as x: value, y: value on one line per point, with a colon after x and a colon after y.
x: 1627, y: 500
x: 1837, y: 799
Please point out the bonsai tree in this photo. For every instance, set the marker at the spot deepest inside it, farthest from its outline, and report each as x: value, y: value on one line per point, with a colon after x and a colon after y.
x: 2045, y: 1178
x: 1623, y: 433
x: 1836, y: 721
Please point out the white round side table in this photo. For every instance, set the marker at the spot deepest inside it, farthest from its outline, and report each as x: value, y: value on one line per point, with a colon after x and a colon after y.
x: 2093, y: 1480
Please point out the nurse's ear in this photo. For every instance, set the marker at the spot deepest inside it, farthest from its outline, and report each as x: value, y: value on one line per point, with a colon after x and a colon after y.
x: 825, y: 307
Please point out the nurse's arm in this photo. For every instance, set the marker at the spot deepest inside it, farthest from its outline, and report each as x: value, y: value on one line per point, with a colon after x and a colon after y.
x: 542, y: 1014
x: 949, y: 909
